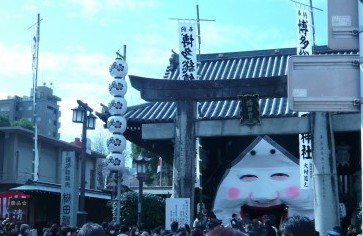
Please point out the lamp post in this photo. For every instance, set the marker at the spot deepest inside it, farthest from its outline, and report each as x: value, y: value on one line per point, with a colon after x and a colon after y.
x: 83, y: 114
x: 140, y: 162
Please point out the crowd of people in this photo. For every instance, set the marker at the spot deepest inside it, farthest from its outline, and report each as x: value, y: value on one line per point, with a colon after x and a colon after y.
x: 211, y: 226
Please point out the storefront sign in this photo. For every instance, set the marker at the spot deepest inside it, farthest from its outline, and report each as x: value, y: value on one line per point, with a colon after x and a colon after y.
x: 18, y: 210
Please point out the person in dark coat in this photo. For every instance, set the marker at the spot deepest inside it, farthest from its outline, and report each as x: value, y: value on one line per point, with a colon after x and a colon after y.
x: 270, y: 231
x: 24, y: 230
x: 298, y: 226
x: 91, y: 229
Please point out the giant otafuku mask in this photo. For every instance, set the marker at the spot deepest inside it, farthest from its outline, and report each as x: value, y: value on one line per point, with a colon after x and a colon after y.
x: 263, y: 176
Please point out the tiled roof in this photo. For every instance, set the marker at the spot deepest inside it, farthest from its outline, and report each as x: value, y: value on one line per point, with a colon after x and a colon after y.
x: 226, y: 66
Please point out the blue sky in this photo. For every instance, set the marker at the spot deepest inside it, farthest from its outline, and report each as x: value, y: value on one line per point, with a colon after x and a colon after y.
x: 79, y: 38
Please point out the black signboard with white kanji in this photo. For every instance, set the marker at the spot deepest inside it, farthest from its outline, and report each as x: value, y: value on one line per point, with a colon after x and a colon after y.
x: 18, y: 210
x: 249, y: 109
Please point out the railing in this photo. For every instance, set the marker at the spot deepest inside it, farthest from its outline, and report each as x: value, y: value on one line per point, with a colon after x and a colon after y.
x: 157, y: 190
x: 21, y: 177
x: 14, y: 178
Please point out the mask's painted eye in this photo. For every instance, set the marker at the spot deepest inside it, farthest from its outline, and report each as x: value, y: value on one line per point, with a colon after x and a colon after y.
x: 248, y: 178
x: 279, y: 176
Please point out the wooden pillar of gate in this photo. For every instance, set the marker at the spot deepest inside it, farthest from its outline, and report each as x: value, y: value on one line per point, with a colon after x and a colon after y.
x: 184, y: 152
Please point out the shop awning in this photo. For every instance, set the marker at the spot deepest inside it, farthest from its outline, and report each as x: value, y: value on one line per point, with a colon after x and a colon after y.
x: 56, y: 188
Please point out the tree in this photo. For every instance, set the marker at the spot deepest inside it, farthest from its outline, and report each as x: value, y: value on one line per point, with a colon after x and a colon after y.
x: 4, y: 121
x: 153, y: 209
x: 99, y: 145
x: 24, y: 123
x: 151, y: 166
x: 153, y: 178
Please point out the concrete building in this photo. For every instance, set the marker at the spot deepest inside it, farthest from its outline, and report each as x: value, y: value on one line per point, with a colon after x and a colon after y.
x: 16, y: 177
x: 48, y: 113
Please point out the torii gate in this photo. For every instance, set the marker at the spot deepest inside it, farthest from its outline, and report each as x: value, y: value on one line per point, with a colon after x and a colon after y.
x: 186, y: 93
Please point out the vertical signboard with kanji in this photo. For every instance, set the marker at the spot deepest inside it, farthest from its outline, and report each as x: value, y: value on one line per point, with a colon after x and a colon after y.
x: 177, y: 209
x: 305, y: 47
x: 69, y: 193
x: 305, y: 42
x: 306, y: 161
x: 188, y: 52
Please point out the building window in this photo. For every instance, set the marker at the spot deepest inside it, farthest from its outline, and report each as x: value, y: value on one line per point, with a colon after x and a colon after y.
x: 4, y: 108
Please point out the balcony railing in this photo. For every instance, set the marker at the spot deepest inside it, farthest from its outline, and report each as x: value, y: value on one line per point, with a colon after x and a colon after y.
x: 21, y: 178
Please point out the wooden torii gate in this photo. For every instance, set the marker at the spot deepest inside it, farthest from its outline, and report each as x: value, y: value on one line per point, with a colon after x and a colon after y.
x: 186, y: 93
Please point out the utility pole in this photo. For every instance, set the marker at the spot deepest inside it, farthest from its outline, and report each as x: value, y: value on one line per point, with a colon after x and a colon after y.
x: 35, y: 88
x: 360, y: 24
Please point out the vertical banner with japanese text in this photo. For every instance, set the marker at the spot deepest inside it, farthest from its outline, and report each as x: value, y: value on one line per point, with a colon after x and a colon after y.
x: 306, y: 161
x: 304, y: 33
x: 188, y: 50
x: 69, y: 190
x: 177, y: 209
x: 305, y: 47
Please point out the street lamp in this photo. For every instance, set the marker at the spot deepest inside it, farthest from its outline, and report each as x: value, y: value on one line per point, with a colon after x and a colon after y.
x: 140, y: 162
x: 83, y: 114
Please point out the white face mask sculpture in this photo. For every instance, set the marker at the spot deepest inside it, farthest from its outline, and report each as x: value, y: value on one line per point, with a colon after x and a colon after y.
x: 263, y: 176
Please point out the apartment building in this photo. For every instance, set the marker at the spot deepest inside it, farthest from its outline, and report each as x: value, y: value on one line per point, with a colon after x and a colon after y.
x: 47, y: 110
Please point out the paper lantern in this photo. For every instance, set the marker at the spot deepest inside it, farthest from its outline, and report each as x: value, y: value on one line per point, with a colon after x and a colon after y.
x: 118, y: 87
x: 116, y: 143
x: 117, y: 106
x: 116, y: 124
x: 118, y: 68
x: 115, y: 161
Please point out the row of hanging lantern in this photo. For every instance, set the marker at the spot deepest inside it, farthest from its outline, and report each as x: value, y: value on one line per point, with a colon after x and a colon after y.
x: 117, y: 123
